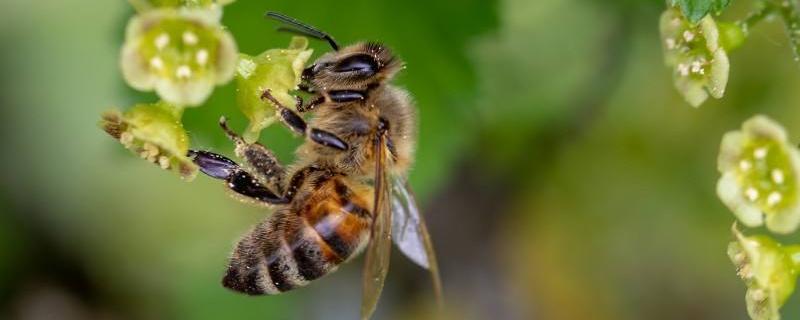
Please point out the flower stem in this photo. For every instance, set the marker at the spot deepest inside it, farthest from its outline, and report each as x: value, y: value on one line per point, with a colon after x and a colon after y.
x: 764, y: 9
x: 791, y: 18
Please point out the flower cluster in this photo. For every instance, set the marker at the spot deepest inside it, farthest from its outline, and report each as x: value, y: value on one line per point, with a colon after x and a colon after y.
x: 180, y: 50
x: 760, y: 172
x: 694, y: 52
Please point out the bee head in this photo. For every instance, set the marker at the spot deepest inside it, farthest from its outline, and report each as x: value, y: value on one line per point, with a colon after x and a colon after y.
x: 354, y: 67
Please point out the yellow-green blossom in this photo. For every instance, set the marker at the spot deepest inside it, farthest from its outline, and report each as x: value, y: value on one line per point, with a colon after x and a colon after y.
x: 760, y: 172
x: 768, y: 269
x: 700, y: 64
x: 180, y: 53
x: 153, y: 131
x: 277, y: 70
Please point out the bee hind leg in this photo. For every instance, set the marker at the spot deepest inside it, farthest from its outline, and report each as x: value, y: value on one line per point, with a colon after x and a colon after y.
x: 238, y: 180
x: 258, y: 159
x: 296, y: 123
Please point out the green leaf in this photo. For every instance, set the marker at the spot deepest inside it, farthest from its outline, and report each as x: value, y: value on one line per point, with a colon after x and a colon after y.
x: 695, y: 10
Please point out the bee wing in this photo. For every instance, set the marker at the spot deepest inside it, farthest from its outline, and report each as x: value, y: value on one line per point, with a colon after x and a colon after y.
x: 410, y: 232
x: 376, y: 263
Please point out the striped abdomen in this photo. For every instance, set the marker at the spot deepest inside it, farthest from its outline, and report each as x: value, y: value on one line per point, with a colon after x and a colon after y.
x: 301, y: 241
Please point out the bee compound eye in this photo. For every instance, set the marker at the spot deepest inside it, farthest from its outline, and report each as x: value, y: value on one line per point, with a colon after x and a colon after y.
x: 360, y: 63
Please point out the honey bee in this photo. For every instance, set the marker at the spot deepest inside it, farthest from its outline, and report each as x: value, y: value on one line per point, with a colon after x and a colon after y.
x: 346, y: 191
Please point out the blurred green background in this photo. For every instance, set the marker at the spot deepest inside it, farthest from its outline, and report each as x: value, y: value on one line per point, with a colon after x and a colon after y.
x: 562, y: 175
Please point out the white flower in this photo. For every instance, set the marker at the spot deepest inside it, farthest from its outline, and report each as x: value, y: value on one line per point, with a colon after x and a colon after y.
x: 760, y: 173
x: 180, y: 53
x: 700, y: 64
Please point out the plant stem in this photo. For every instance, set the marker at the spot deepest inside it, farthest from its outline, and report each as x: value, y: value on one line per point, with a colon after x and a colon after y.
x: 764, y: 10
x: 787, y: 10
x: 791, y: 18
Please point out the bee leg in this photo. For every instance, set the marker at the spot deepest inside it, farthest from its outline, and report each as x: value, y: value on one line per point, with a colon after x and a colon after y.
x: 239, y: 181
x: 343, y: 96
x: 296, y: 123
x: 311, y: 104
x: 297, y: 180
x: 213, y: 165
x: 258, y: 159
x: 305, y: 88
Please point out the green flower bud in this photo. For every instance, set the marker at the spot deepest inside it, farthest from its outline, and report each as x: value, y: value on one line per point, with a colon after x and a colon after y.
x: 153, y: 131
x: 180, y: 53
x: 731, y: 35
x: 768, y: 270
x: 277, y: 70
x: 700, y: 64
x: 760, y: 173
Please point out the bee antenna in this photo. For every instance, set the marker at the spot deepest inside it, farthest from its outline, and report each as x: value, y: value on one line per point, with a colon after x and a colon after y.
x: 295, y: 26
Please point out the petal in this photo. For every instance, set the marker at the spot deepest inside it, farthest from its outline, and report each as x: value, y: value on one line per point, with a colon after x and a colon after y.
x: 784, y: 221
x: 720, y: 68
x: 730, y: 193
x: 227, y: 56
x: 711, y: 33
x: 693, y: 91
x: 763, y: 127
x: 134, y: 69
x: 730, y: 150
x: 190, y: 93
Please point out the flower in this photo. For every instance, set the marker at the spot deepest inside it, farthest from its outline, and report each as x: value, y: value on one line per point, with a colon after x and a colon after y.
x: 277, y: 70
x: 181, y: 53
x: 145, y: 5
x: 154, y: 131
x: 768, y: 269
x: 700, y: 64
x: 760, y: 171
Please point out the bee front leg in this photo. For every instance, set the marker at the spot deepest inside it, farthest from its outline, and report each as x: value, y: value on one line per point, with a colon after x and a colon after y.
x: 238, y: 180
x: 311, y: 104
x: 296, y: 123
